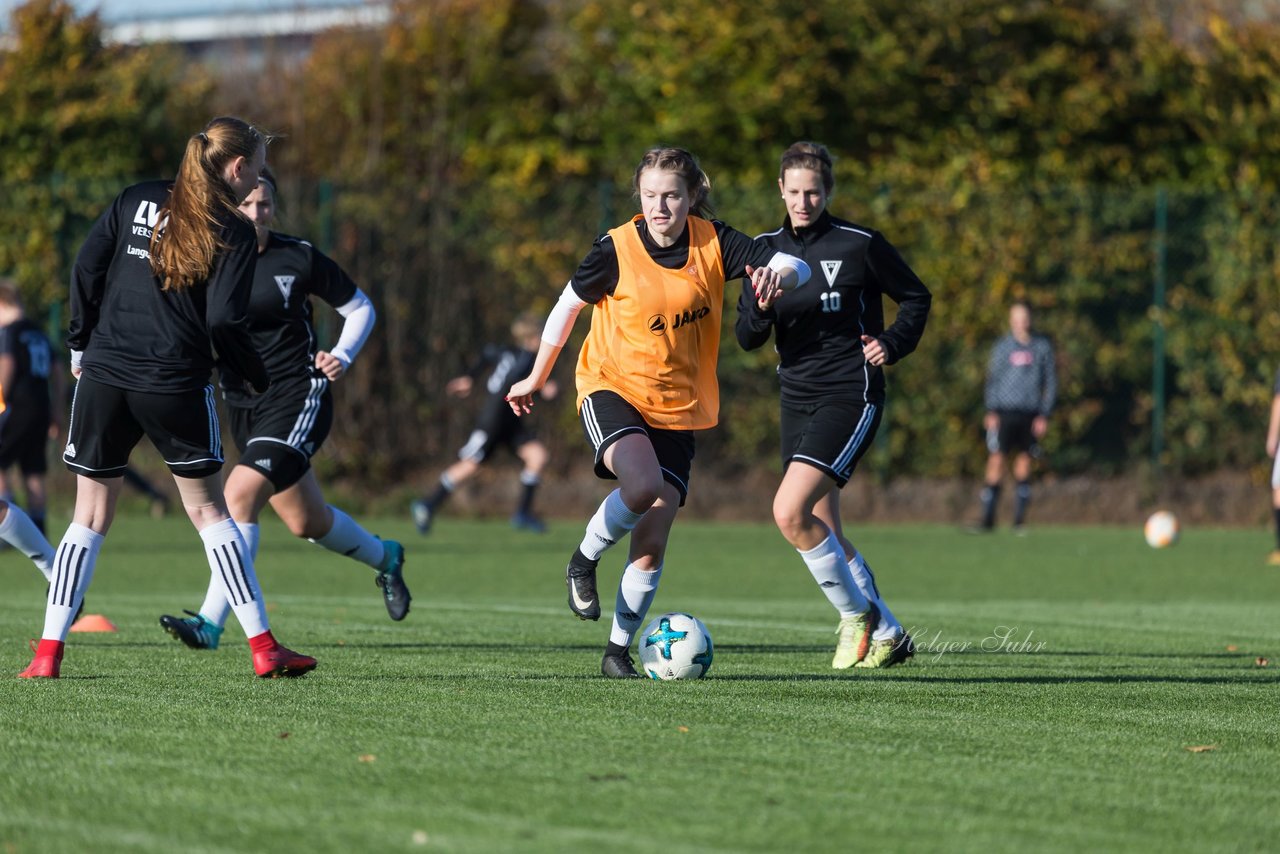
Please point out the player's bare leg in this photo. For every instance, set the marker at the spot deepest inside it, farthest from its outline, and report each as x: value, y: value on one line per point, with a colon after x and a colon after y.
x: 802, y: 489
x: 633, y: 462
x: 639, y: 582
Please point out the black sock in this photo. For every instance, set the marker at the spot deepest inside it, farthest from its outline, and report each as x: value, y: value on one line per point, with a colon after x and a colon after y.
x: 615, y: 649
x: 526, y: 496
x: 438, y: 497
x: 1275, y: 514
x: 1022, y: 494
x: 990, y: 497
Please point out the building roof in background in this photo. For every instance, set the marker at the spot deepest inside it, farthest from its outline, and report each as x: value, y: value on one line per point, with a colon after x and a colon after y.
x: 189, y: 21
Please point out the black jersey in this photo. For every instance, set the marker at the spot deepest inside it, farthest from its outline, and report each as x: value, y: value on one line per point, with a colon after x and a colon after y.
x: 290, y: 271
x: 509, y: 365
x: 32, y: 357
x: 819, y: 326
x: 597, y: 275
x: 135, y: 335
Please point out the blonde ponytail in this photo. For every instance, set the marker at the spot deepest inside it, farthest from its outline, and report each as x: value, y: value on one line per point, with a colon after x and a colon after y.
x: 185, y: 240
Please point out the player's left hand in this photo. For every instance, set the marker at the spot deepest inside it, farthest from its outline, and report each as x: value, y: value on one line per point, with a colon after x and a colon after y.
x: 873, y: 351
x: 1039, y: 426
x: 330, y: 365
x: 767, y: 284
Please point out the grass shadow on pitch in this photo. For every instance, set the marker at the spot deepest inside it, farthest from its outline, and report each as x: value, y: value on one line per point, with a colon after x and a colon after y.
x: 1101, y: 679
x: 489, y: 646
x: 1082, y: 653
x: 914, y: 676
x: 773, y: 648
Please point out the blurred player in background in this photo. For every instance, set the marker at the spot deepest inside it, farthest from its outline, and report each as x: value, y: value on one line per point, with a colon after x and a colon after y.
x: 159, y: 501
x: 1273, y: 442
x: 30, y: 385
x: 1022, y: 386
x: 21, y: 359
x: 497, y: 425
x: 161, y: 284
x: 278, y: 432
x: 647, y: 372
x: 833, y: 346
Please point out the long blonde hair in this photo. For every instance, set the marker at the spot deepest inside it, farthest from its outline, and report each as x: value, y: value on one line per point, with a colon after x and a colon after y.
x: 185, y: 239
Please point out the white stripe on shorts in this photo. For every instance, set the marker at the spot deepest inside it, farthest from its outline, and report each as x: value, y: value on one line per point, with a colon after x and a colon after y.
x: 592, y: 425
x: 307, y: 418
x: 215, y: 431
x: 859, y: 436
x: 474, y: 448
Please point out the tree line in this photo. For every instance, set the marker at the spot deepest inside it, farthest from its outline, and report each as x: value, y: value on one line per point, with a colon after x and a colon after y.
x: 459, y: 161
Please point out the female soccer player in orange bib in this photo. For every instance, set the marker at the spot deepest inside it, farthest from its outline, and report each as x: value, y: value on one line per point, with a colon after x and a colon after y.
x: 647, y: 372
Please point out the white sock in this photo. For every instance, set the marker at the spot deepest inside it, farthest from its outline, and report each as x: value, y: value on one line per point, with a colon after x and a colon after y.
x: 826, y: 563
x: 19, y: 531
x: 73, y: 570
x: 635, y: 595
x: 347, y: 538
x: 888, y: 627
x: 216, y: 608
x: 232, y: 567
x: 612, y: 521
x: 249, y: 531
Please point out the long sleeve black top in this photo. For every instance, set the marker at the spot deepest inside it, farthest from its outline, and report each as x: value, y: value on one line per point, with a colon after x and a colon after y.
x: 819, y: 325
x: 133, y: 334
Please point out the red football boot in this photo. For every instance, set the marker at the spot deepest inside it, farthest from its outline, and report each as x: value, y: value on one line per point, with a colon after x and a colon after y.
x: 47, y: 662
x: 281, y: 661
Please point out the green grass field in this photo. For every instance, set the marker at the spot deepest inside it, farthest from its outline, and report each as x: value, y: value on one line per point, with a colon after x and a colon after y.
x: 481, y: 724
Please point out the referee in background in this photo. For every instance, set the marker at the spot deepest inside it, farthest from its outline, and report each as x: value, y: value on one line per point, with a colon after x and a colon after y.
x: 1020, y: 392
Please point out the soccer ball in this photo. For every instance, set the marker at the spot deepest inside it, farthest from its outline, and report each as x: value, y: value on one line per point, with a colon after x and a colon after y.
x: 675, y: 646
x: 1161, y: 529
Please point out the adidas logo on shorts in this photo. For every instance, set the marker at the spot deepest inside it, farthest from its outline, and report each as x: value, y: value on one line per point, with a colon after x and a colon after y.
x: 263, y: 464
x: 70, y: 452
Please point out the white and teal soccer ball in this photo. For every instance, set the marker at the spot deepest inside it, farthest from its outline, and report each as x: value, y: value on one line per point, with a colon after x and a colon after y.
x: 675, y: 646
x: 1161, y: 530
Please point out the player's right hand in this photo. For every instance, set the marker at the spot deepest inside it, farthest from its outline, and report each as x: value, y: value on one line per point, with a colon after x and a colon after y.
x: 520, y: 397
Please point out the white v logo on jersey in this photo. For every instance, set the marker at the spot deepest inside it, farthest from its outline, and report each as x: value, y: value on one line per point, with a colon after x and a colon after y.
x: 831, y: 269
x: 285, y: 284
x: 148, y: 214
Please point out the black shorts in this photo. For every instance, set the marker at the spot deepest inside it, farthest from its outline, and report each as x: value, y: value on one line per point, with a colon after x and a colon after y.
x: 24, y: 436
x: 1013, y: 434
x: 493, y: 430
x: 831, y: 435
x: 280, y: 431
x: 107, y: 422
x: 606, y: 418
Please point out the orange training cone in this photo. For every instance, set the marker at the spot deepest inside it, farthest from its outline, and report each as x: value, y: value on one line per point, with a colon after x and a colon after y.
x: 93, y: 623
